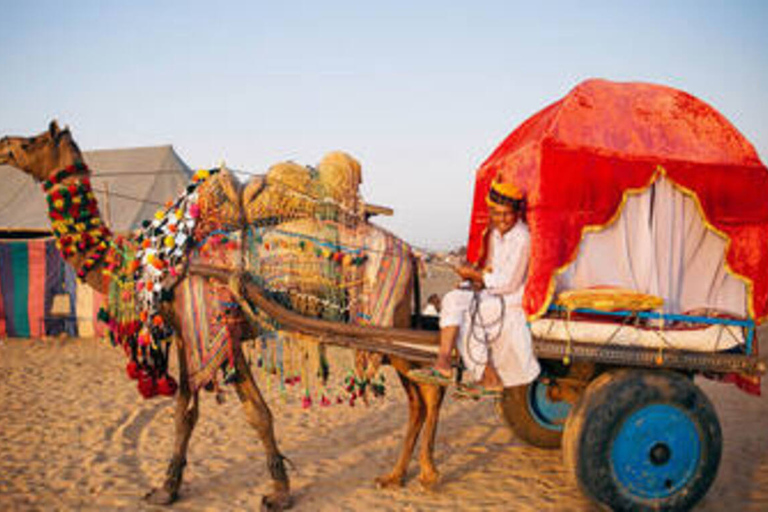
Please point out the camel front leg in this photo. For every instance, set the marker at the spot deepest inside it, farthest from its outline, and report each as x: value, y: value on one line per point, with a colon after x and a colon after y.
x: 185, y: 419
x: 416, y: 415
x: 432, y: 396
x: 260, y: 418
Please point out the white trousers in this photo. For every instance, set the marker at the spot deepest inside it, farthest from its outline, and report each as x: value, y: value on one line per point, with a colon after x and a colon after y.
x: 492, y: 329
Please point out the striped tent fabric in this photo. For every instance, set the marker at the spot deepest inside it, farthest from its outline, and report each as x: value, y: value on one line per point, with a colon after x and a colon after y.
x: 87, y: 308
x: 3, y: 330
x: 31, y: 273
x: 36, y: 287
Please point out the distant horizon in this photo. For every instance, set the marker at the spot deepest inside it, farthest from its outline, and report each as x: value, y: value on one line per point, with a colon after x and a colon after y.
x: 420, y: 93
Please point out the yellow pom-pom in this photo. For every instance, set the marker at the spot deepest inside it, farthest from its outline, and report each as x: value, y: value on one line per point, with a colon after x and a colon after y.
x: 159, y: 215
x: 169, y: 241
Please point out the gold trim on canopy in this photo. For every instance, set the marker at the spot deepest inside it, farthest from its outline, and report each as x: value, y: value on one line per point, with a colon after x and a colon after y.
x: 594, y: 228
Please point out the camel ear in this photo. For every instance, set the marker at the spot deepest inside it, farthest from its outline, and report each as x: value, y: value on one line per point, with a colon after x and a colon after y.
x: 54, y: 129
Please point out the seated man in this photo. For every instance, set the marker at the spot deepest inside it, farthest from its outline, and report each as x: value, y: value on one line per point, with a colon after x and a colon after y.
x: 486, y: 310
x: 433, y: 306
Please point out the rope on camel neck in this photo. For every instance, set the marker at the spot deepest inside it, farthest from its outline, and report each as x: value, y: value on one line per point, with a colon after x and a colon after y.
x: 485, y: 333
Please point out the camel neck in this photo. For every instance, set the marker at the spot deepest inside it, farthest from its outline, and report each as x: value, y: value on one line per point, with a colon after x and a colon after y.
x: 81, y: 235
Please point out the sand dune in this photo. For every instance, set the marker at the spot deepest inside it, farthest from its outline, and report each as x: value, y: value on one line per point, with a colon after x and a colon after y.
x: 75, y: 434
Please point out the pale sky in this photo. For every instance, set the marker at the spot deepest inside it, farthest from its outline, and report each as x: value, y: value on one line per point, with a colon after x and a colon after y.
x: 419, y: 92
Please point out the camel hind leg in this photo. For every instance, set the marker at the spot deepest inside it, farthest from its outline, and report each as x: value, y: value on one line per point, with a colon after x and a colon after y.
x: 424, y: 403
x: 260, y: 418
x: 416, y: 416
x: 185, y: 419
x: 432, y: 398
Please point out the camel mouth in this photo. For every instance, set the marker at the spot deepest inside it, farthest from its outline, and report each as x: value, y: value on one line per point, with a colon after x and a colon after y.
x: 6, y: 155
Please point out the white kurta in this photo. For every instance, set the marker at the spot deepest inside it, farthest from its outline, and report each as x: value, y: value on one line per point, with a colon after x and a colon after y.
x: 498, y: 331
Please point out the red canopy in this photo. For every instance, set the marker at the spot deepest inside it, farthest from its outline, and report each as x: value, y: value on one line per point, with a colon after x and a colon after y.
x: 578, y: 157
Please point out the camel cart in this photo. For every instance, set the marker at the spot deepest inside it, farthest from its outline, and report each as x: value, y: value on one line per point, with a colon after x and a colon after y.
x: 635, y: 430
x: 649, y: 231
x: 649, y: 266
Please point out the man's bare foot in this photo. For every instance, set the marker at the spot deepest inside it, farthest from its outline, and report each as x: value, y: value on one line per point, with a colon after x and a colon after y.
x: 490, y: 379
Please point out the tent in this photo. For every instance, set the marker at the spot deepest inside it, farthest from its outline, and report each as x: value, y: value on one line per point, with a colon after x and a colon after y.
x: 130, y: 185
x: 580, y: 159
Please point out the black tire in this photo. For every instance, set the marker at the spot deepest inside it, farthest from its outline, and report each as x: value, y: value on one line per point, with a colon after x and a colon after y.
x: 643, y: 440
x: 538, y: 424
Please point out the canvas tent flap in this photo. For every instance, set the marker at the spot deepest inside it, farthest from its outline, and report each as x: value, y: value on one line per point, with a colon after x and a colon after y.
x: 139, y: 181
x: 22, y: 203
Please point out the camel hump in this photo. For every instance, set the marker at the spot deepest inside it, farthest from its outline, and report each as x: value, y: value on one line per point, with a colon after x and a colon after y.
x: 252, y: 188
x: 219, y: 201
x: 341, y: 175
x: 291, y: 191
x: 288, y: 191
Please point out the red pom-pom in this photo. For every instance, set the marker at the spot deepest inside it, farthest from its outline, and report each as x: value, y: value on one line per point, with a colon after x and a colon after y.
x: 132, y: 370
x: 147, y: 385
x: 167, y: 386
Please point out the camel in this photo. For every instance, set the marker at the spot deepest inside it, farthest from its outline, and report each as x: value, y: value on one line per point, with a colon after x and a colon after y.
x: 54, y: 159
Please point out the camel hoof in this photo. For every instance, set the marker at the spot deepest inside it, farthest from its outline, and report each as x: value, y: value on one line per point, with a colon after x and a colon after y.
x: 429, y: 481
x: 276, y: 502
x: 161, y: 496
x: 389, y: 481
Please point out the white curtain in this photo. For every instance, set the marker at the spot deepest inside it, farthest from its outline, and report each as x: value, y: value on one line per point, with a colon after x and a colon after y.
x: 660, y: 245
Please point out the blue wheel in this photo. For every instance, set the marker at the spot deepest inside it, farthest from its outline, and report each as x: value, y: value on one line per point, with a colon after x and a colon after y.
x: 643, y: 440
x: 533, y: 416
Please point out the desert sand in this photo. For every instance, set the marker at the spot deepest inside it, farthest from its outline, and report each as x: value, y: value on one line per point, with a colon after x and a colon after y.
x: 76, y: 435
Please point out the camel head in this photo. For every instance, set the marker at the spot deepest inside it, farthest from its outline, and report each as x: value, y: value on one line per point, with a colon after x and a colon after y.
x: 41, y: 155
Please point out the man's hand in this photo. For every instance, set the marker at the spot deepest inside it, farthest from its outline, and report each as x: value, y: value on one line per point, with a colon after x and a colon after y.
x: 469, y: 273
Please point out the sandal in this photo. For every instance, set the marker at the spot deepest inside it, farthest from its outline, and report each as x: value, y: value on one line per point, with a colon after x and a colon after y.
x: 476, y: 391
x: 431, y: 375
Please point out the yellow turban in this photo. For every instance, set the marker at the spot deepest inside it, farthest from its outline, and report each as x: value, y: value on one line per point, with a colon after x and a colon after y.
x: 506, y: 194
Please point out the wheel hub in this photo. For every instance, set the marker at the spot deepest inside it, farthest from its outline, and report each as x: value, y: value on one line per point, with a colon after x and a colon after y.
x: 656, y: 451
x: 547, y: 413
x: 660, y: 454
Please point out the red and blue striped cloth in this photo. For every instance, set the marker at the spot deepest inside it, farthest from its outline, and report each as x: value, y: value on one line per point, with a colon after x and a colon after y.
x: 31, y: 273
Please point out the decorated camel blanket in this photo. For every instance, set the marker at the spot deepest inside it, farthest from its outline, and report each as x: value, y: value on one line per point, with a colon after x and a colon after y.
x: 310, y: 248
x: 299, y: 233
